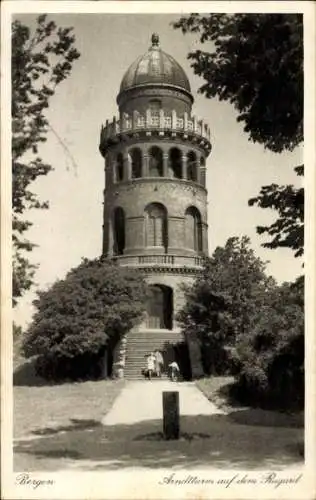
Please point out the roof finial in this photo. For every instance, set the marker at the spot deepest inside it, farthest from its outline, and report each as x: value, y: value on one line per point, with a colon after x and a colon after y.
x: 155, y: 40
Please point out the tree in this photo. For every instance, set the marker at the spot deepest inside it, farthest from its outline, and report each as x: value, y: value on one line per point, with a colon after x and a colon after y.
x: 79, y: 316
x: 288, y: 230
x: 220, y: 305
x: 255, y: 62
x: 41, y: 60
x: 271, y: 353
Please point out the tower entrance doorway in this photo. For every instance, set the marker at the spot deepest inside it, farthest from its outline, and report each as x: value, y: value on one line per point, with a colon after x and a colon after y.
x: 160, y: 307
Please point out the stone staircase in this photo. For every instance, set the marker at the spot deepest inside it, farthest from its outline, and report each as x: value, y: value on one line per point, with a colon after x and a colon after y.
x: 142, y: 342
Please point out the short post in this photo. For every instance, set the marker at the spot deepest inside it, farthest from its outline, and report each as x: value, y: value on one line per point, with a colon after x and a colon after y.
x: 171, y: 420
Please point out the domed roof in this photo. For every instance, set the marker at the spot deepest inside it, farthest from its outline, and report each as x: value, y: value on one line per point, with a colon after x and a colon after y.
x: 155, y: 67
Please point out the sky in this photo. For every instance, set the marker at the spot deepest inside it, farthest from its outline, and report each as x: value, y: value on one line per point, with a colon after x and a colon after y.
x: 236, y: 168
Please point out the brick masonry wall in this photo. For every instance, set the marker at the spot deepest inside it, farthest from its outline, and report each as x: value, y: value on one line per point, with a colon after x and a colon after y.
x: 134, y: 196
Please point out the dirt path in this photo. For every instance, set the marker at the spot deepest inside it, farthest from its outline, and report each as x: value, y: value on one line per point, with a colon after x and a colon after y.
x: 142, y: 400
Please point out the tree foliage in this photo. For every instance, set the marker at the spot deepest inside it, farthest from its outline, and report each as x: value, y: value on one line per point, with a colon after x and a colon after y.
x: 288, y: 229
x: 256, y: 63
x: 220, y: 305
x: 41, y: 59
x: 248, y: 326
x: 271, y: 353
x: 77, y: 317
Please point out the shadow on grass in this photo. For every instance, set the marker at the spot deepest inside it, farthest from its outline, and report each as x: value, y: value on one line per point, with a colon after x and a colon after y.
x: 158, y: 436
x: 213, y: 441
x: 236, y: 396
x: 76, y: 424
x: 266, y: 418
x: 72, y: 454
x: 229, y: 393
x: 25, y: 375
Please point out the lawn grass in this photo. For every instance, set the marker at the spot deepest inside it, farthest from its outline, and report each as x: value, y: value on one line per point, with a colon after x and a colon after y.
x: 219, y: 391
x: 215, y: 389
x: 60, y: 428
x: 55, y: 405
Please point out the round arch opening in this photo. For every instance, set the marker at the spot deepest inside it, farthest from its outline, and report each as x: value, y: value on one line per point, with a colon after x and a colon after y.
x: 160, y: 307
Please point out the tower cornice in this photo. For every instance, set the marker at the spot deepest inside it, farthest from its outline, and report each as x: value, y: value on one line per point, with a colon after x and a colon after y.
x: 153, y: 181
x: 168, y: 125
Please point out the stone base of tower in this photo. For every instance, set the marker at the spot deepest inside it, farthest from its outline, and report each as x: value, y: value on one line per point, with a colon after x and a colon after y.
x: 142, y: 342
x: 159, y: 330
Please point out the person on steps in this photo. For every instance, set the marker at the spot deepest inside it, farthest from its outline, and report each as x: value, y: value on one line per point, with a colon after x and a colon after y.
x: 158, y: 362
x: 174, y: 371
x: 150, y: 365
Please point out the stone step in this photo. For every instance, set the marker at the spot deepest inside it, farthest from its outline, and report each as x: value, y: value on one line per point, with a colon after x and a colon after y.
x: 145, y: 345
x: 140, y: 343
x: 154, y: 341
x: 155, y: 333
x: 149, y: 345
x: 157, y: 338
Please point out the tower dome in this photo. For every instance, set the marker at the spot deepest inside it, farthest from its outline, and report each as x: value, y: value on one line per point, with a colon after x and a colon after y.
x: 155, y: 67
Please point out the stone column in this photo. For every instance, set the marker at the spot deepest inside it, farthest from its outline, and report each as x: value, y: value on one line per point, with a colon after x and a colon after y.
x: 174, y: 119
x: 128, y: 166
x: 109, y: 228
x: 203, y: 175
x: 161, y: 119
x: 134, y: 119
x: 113, y: 170
x: 148, y: 118
x: 184, y: 165
x: 165, y: 159
x: 185, y: 121
x: 205, y: 237
x: 145, y: 165
x: 195, y: 124
x: 198, y: 172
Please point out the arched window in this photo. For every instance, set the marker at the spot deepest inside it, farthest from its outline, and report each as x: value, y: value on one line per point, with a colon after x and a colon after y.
x: 118, y: 231
x: 192, y: 166
x: 119, y: 167
x: 155, y: 162
x: 175, y: 163
x: 193, y: 229
x: 156, y: 226
x: 136, y: 162
x: 160, y: 307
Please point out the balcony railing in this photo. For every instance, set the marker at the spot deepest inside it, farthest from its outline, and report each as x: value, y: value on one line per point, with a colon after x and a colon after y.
x: 160, y: 260
x: 162, y: 121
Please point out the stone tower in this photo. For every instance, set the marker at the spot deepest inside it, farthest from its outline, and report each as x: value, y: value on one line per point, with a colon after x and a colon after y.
x: 155, y: 200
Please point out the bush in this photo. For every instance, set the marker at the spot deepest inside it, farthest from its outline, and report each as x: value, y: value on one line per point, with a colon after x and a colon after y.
x: 78, y: 317
x: 271, y: 355
x: 222, y: 301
